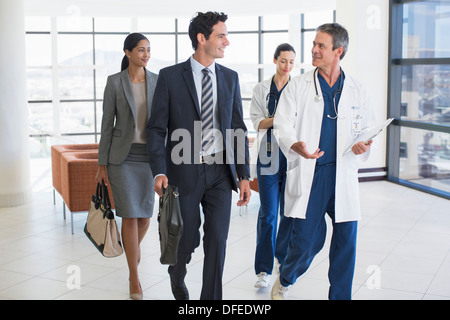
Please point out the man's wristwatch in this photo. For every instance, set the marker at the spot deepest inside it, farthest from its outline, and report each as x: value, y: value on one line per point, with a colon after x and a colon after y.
x: 244, y: 178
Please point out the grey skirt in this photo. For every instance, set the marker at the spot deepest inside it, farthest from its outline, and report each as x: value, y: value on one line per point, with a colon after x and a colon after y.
x: 132, y: 184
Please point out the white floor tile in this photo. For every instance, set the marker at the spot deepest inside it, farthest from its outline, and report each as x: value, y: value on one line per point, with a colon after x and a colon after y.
x: 404, y: 233
x: 364, y: 293
x: 36, y: 288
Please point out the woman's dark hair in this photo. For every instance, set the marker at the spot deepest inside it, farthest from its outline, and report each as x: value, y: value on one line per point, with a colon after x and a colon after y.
x: 203, y: 23
x: 131, y: 41
x: 283, y: 47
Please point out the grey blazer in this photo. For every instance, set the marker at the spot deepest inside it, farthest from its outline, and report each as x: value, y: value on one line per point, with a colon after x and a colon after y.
x: 119, y: 113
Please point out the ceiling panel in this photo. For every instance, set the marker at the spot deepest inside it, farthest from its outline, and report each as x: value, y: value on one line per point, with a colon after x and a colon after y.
x: 170, y: 8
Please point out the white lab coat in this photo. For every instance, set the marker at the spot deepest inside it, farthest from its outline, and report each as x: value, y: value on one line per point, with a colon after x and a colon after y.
x: 299, y: 118
x: 258, y: 112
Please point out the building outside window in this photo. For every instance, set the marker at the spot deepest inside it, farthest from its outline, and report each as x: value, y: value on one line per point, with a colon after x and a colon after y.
x: 419, y: 97
x: 69, y: 59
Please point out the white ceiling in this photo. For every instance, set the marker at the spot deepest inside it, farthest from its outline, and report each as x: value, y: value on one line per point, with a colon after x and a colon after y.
x: 171, y: 8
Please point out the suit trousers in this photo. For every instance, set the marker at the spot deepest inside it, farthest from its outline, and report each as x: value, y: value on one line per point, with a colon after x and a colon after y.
x: 308, y: 237
x: 213, y: 192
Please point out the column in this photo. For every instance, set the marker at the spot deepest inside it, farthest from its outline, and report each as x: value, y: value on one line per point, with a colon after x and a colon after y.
x: 367, y: 22
x: 15, y: 186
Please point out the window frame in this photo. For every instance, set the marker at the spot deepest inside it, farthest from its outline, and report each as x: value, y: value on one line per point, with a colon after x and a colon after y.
x: 395, y: 64
x: 56, y: 100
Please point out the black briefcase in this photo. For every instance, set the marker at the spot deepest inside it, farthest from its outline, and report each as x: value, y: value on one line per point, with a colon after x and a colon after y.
x: 170, y: 225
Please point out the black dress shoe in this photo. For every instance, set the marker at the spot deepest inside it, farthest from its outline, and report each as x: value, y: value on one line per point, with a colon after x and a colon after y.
x: 180, y: 293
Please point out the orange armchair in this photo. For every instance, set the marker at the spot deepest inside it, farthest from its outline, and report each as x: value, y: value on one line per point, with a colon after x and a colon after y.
x: 74, y: 168
x: 56, y: 152
x: 78, y: 183
x: 78, y: 170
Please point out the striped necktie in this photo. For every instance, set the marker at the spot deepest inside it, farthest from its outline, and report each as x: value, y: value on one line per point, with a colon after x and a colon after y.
x: 207, y: 112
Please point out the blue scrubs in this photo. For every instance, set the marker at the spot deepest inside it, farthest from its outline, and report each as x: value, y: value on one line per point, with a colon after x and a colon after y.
x: 271, y: 171
x: 308, y: 235
x: 328, y: 139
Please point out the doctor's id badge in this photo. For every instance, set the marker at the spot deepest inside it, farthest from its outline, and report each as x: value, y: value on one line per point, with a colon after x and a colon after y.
x: 356, y: 127
x: 356, y: 120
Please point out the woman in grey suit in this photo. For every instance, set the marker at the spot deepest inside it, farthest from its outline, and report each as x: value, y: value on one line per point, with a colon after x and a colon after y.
x: 122, y: 156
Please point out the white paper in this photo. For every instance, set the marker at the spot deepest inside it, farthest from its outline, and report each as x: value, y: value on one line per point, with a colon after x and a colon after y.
x: 369, y: 135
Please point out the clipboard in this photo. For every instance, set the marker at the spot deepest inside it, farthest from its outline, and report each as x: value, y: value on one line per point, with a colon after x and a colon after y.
x: 369, y: 135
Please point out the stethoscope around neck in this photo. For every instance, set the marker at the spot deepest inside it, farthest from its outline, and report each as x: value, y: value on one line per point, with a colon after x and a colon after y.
x: 275, y: 99
x: 319, y: 98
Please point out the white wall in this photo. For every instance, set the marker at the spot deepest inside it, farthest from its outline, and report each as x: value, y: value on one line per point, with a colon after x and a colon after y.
x: 367, y: 22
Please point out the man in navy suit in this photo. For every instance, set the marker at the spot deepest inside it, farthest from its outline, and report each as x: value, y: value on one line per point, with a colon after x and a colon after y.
x: 207, y: 173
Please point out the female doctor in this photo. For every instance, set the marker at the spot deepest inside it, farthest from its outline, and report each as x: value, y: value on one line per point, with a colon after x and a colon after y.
x: 270, y: 167
x: 321, y: 114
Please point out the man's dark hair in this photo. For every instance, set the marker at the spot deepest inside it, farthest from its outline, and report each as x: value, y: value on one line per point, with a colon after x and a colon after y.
x: 203, y: 23
x: 339, y: 35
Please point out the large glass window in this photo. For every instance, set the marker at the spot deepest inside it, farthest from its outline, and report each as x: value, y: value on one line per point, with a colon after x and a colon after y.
x: 419, y: 97
x: 425, y: 29
x: 426, y: 159
x: 41, y: 55
x: 426, y: 93
x: 270, y: 43
x: 69, y: 59
x: 309, y: 23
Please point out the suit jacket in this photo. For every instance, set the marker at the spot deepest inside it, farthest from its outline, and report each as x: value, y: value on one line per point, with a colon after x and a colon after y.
x: 119, y: 116
x: 176, y: 106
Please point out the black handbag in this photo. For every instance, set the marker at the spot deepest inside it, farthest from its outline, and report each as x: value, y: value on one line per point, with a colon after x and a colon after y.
x: 170, y: 225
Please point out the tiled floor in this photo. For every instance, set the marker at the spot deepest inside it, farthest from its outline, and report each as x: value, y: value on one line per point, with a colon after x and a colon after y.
x: 403, y: 253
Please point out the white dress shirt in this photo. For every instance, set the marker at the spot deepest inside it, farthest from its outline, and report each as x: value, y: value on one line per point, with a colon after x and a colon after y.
x: 198, y: 76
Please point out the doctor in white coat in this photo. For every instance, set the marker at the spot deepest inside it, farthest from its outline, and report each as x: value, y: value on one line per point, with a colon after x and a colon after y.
x: 319, y: 115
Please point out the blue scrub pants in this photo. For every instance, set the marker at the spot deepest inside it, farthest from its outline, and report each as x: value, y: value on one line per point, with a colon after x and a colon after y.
x: 308, y: 237
x: 269, y: 243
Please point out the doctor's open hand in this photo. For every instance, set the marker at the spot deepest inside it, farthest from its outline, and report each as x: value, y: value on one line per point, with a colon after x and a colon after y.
x: 361, y: 147
x: 300, y: 148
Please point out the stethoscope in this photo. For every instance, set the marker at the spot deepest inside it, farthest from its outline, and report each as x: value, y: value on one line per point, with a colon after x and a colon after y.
x: 275, y: 98
x: 318, y: 98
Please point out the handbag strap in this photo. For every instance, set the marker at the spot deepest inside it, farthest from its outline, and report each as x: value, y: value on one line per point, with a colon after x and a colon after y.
x: 98, y: 193
x: 97, y: 197
x: 105, y: 198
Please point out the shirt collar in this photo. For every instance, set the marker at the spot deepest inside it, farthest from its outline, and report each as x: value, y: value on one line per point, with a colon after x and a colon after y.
x: 197, y: 67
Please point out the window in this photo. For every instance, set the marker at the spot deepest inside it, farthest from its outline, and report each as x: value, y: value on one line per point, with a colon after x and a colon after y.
x: 419, y: 96
x: 70, y: 58
x: 309, y: 23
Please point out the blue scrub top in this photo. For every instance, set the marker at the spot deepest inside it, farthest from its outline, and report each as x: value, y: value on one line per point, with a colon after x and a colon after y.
x: 268, y: 162
x: 274, y: 97
x: 328, y: 135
